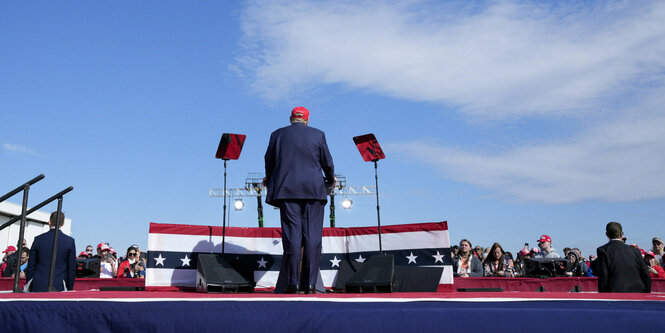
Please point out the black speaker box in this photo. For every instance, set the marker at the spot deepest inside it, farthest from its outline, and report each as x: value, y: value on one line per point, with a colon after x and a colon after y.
x: 216, y: 275
x: 87, y: 268
x: 417, y: 278
x: 376, y: 276
x: 347, y: 269
x: 545, y: 267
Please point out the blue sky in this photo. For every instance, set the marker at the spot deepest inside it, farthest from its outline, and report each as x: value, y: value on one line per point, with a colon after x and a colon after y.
x: 508, y: 119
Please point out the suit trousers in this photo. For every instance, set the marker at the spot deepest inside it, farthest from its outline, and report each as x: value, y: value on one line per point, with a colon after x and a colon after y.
x: 302, y: 226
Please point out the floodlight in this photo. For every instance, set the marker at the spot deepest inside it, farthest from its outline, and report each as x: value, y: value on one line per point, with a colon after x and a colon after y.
x: 238, y: 204
x: 347, y: 203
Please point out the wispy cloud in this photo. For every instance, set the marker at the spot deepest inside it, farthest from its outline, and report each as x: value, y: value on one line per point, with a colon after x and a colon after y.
x: 602, y: 63
x: 19, y: 149
x: 618, y: 160
x: 505, y: 59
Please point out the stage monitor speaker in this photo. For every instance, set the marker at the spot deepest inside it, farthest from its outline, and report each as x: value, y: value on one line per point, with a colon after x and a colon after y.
x: 216, y: 275
x: 347, y: 269
x: 545, y: 267
x: 87, y: 268
x: 417, y: 278
x: 376, y: 276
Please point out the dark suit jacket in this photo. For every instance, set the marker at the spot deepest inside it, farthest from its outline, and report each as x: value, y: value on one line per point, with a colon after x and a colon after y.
x: 296, y: 156
x: 621, y: 269
x: 40, y: 262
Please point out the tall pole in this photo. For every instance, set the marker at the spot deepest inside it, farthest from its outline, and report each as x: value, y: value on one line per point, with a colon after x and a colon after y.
x: 21, y: 234
x: 332, y: 210
x: 378, y: 215
x: 224, y: 214
x: 259, y: 209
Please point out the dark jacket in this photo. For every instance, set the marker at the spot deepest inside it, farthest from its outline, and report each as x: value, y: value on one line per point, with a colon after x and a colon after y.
x: 621, y: 268
x: 40, y: 262
x: 476, y: 266
x: 296, y: 160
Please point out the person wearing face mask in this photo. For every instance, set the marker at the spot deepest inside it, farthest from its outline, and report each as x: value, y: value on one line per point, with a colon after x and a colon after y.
x: 130, y: 268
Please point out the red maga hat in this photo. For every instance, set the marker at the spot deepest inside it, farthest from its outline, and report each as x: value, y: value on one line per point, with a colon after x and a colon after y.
x: 545, y: 238
x: 300, y: 113
x: 9, y: 248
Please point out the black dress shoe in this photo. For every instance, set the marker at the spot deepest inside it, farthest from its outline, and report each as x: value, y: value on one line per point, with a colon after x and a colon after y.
x: 310, y: 289
x: 292, y: 289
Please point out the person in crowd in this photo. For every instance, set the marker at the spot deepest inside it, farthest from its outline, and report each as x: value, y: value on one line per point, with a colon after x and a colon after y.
x: 108, y: 266
x: 486, y: 252
x: 41, y: 255
x: 88, y: 250
x: 658, y: 249
x: 454, y: 251
x: 497, y: 264
x: 466, y: 264
x: 619, y: 267
x: 99, y: 250
x: 478, y: 252
x: 575, y: 266
x: 520, y: 269
x: 534, y: 252
x: 25, y: 255
x: 83, y: 255
x: 130, y: 268
x: 655, y: 269
x: 546, y: 249
x: 7, y: 252
x: 565, y: 251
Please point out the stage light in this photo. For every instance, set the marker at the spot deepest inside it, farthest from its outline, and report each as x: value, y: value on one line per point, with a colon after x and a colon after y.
x: 347, y: 203
x: 238, y: 204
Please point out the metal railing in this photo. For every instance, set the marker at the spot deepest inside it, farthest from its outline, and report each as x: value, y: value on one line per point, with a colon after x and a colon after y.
x: 24, y: 213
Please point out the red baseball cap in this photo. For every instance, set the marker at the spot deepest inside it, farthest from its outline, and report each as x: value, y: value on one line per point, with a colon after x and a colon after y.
x: 9, y: 248
x: 545, y: 238
x: 650, y: 253
x: 99, y: 246
x: 300, y: 113
x: 524, y: 252
x: 83, y: 254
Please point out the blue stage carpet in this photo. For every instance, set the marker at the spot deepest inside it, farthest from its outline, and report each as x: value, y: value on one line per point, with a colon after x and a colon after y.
x: 360, y: 313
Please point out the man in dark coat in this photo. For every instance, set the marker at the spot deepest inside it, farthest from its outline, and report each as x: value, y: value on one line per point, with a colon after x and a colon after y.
x: 296, y: 161
x: 620, y: 268
x: 39, y: 263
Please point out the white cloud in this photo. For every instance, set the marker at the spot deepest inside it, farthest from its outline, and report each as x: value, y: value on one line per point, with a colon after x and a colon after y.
x: 19, y: 149
x: 503, y: 60
x: 618, y: 160
x: 602, y: 63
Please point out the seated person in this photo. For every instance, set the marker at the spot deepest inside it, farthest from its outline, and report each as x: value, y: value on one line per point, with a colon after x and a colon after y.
x: 575, y: 266
x: 466, y: 264
x: 497, y: 264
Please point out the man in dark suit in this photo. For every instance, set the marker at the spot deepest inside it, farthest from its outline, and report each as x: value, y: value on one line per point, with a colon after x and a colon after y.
x: 296, y: 161
x: 620, y: 268
x: 39, y: 263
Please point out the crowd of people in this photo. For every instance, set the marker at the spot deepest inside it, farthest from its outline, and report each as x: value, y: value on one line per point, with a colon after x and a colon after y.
x: 494, y: 261
x: 131, y: 265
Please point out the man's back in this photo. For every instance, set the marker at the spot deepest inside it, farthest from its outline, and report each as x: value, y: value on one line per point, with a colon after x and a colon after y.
x: 295, y: 157
x: 40, y: 262
x: 621, y: 268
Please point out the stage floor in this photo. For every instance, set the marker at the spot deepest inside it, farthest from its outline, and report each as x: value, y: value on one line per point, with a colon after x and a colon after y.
x: 172, y: 311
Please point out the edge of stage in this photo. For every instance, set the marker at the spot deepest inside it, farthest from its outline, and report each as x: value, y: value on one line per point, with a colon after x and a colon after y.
x: 174, y: 311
